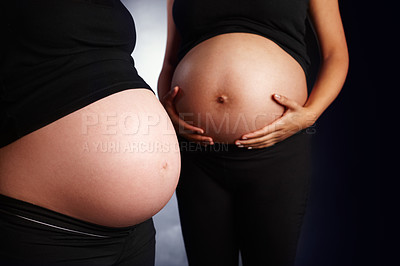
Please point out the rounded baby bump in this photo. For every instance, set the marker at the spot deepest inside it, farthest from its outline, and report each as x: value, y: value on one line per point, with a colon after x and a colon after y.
x: 226, y: 88
x: 114, y: 162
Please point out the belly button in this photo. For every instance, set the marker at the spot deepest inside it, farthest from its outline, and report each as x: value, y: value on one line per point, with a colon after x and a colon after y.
x: 222, y: 99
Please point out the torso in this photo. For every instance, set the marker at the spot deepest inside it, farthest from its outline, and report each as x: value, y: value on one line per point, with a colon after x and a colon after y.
x: 114, y: 162
x: 227, y: 83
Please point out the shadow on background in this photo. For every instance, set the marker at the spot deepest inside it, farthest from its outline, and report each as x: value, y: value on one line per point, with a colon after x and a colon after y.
x: 342, y: 221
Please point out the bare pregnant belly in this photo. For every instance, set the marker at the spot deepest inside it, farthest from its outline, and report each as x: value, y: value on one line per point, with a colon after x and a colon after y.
x: 115, y: 162
x: 227, y: 83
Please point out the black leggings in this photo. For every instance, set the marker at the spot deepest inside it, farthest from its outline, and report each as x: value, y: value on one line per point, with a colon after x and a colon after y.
x: 233, y: 199
x: 32, y: 235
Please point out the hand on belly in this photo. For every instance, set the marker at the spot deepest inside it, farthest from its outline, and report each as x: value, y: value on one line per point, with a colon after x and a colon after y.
x: 294, y: 119
x: 227, y: 85
x: 226, y: 116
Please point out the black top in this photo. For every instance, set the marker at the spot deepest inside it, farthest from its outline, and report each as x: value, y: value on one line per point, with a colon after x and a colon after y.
x: 282, y: 21
x: 58, y: 56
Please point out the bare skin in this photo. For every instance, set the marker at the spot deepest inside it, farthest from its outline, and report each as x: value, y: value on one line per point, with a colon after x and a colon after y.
x: 226, y: 86
x: 114, y: 162
x: 280, y: 88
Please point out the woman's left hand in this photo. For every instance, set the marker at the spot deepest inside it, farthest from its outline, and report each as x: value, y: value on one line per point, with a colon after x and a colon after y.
x: 294, y: 119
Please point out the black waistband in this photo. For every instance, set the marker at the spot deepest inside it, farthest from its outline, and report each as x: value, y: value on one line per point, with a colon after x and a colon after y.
x: 28, y: 212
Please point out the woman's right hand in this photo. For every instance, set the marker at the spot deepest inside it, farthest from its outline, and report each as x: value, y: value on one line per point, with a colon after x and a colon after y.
x: 182, y: 128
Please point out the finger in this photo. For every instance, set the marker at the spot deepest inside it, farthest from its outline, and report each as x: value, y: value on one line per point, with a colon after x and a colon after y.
x: 282, y: 100
x: 170, y: 108
x: 258, y: 133
x: 179, y: 123
x: 261, y: 145
x: 271, y: 142
x: 274, y: 126
x: 205, y: 144
x: 170, y: 96
x: 259, y: 142
x: 254, y: 141
x: 185, y: 126
x: 265, y: 144
x: 198, y: 138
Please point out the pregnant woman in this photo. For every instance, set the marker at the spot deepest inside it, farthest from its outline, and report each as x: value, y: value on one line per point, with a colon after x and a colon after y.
x: 88, y: 154
x: 234, y: 81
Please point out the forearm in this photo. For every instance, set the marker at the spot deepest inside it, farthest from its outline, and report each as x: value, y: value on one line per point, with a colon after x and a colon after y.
x: 328, y: 84
x: 164, y: 80
x: 171, y: 55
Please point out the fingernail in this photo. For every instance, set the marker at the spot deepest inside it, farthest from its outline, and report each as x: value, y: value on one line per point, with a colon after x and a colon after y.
x: 277, y: 96
x: 250, y: 148
x: 244, y: 138
x: 239, y: 145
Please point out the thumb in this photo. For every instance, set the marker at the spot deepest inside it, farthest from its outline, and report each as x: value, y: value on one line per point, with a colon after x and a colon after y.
x: 170, y: 96
x: 282, y: 100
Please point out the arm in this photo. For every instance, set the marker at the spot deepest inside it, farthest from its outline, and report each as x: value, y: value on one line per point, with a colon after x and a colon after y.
x: 171, y: 55
x: 335, y: 59
x: 326, y: 19
x: 166, y: 94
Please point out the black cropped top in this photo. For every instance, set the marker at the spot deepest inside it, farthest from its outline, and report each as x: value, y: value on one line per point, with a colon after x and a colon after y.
x: 282, y: 21
x: 59, y: 56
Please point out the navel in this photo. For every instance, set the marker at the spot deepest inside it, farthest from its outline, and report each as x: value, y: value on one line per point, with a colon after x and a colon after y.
x: 222, y: 99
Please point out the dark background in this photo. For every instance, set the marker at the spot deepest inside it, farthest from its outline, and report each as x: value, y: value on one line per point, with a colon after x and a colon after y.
x: 343, y: 220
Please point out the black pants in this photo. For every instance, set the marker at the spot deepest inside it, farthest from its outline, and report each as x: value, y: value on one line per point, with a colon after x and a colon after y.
x: 233, y: 199
x: 32, y: 235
